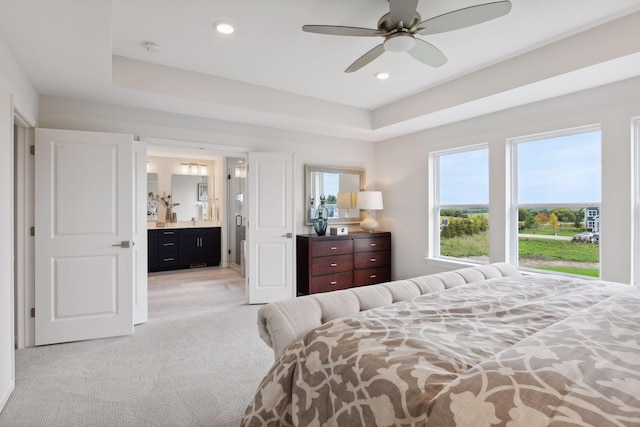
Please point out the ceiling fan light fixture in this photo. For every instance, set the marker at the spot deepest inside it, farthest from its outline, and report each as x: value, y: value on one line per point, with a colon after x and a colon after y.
x: 399, y: 42
x: 382, y: 75
x: 223, y: 27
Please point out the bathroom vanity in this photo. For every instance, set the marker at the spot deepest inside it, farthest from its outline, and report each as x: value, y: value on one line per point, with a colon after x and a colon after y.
x: 176, y: 247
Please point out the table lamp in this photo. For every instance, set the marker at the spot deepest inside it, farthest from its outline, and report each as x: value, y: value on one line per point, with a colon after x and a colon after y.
x: 368, y: 201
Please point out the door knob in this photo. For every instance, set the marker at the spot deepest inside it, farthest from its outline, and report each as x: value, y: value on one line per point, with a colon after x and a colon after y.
x: 288, y: 235
x: 124, y: 244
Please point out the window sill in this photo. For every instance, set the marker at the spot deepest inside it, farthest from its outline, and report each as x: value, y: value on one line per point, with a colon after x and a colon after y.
x: 450, y: 263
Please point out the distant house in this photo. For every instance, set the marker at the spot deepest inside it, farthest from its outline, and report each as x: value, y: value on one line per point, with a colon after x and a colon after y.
x: 592, y: 219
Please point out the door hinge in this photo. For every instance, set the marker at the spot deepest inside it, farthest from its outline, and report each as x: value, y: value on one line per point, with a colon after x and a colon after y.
x: 229, y: 251
x: 229, y: 176
x: 32, y: 231
x: 32, y: 149
x: 33, y: 312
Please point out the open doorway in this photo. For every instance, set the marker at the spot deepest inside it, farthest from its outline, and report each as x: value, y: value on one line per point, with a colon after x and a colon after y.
x: 204, y: 206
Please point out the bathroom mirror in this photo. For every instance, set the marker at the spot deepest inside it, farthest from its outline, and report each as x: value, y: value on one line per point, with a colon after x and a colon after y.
x: 191, y: 191
x: 152, y: 204
x: 339, y: 187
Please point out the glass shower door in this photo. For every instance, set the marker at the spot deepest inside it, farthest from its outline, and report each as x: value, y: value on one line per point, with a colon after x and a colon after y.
x: 236, y: 192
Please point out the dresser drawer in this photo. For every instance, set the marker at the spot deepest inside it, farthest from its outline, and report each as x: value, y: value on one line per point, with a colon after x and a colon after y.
x: 331, y: 247
x: 331, y: 264
x: 371, y: 276
x: 371, y: 259
x: 330, y: 282
x: 371, y: 244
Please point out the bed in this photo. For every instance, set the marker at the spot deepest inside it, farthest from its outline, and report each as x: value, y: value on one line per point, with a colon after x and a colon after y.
x: 501, y: 350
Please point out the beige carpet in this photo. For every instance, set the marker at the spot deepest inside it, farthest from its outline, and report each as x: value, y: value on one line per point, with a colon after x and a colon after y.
x: 197, y: 369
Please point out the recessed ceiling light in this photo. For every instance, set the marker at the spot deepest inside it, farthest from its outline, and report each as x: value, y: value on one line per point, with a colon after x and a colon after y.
x: 152, y: 47
x: 382, y: 75
x: 223, y: 27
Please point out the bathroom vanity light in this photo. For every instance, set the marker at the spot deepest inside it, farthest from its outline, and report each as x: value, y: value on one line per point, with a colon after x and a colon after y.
x: 193, y: 168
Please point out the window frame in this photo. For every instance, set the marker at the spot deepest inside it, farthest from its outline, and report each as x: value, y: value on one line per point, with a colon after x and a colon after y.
x: 433, y: 248
x: 515, y: 206
x: 635, y: 129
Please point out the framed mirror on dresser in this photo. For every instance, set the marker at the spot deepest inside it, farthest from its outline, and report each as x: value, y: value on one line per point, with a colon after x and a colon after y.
x: 339, y: 186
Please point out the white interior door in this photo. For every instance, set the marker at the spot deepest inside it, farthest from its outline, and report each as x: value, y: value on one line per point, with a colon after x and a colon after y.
x: 270, y: 228
x: 84, y: 210
x: 140, y: 301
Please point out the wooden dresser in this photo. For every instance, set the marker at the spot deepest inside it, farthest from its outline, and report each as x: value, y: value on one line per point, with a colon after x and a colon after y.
x: 329, y: 263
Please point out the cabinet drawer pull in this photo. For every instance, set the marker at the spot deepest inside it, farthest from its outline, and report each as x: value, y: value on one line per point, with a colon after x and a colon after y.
x: 373, y: 276
x: 168, y: 259
x: 167, y: 244
x: 333, y: 264
x: 372, y: 244
x: 333, y: 248
x: 168, y: 232
x: 333, y: 282
x: 373, y: 260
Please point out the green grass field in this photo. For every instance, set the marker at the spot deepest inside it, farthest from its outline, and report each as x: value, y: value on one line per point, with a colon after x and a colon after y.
x: 562, y: 250
x: 531, y: 250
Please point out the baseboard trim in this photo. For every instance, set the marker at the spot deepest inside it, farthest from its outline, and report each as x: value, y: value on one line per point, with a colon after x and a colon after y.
x: 7, y: 393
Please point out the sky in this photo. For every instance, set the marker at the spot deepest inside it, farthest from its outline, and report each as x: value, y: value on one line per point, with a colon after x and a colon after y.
x: 564, y: 169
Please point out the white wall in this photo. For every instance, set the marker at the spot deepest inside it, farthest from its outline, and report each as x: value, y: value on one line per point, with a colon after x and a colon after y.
x: 402, y: 173
x: 16, y: 93
x: 62, y: 113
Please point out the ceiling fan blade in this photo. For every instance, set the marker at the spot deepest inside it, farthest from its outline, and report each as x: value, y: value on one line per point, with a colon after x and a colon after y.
x: 427, y: 53
x: 402, y: 10
x: 334, y: 30
x: 465, y: 17
x: 365, y: 59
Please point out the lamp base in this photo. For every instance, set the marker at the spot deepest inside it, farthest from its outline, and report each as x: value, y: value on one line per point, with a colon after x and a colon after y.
x: 369, y: 224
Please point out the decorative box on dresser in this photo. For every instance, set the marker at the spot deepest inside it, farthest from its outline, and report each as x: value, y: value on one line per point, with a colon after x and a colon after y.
x: 329, y: 263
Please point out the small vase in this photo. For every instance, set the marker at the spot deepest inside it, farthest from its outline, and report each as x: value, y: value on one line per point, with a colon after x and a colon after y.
x: 322, y: 216
x: 167, y: 216
x: 320, y: 225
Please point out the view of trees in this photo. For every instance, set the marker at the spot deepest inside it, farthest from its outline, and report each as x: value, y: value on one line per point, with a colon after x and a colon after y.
x: 472, y: 221
x: 532, y: 218
x: 467, y: 225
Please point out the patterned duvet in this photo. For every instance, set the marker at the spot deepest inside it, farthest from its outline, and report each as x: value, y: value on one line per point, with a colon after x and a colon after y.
x: 531, y: 350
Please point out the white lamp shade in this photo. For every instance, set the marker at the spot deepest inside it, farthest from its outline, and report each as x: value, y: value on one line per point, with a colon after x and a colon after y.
x: 369, y: 200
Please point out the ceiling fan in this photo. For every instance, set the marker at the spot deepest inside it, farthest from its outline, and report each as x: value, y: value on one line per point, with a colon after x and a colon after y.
x: 400, y: 26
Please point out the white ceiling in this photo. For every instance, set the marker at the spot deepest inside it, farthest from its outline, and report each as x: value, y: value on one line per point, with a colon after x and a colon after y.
x: 271, y: 73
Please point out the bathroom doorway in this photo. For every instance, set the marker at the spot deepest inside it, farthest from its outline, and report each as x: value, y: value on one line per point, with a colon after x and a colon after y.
x: 236, y: 215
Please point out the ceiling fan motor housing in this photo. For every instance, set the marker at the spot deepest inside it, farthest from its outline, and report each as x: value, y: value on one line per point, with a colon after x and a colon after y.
x: 399, y: 42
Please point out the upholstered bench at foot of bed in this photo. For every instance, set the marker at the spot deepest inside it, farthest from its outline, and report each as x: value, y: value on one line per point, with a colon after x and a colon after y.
x: 284, y: 322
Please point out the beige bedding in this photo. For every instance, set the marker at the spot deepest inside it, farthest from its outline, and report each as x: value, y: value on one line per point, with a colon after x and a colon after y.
x: 437, y: 359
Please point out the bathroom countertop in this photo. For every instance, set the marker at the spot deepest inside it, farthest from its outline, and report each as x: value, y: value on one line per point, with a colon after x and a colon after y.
x: 184, y: 224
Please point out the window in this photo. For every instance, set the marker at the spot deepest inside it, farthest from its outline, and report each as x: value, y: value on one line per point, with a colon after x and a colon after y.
x: 557, y: 199
x: 461, y: 215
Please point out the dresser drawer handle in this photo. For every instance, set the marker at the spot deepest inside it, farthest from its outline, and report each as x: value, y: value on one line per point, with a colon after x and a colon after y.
x: 333, y: 248
x: 333, y: 264
x: 372, y: 244
x: 373, y: 260
x: 168, y: 259
x: 167, y: 244
x: 168, y: 232
x: 333, y: 282
x: 373, y: 276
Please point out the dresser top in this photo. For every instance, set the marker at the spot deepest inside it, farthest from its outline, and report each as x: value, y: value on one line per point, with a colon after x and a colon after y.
x: 355, y: 235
